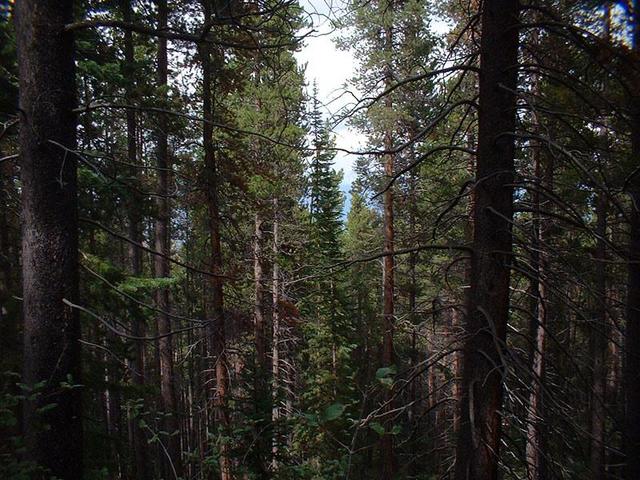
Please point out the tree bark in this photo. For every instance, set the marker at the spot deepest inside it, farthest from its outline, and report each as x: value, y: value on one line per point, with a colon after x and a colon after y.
x: 136, y: 364
x: 218, y: 341
x: 261, y: 365
x: 534, y: 448
x: 172, y: 466
x: 275, y: 348
x: 388, y: 312
x: 478, y: 442
x: 49, y: 235
x: 599, y: 348
x: 9, y: 325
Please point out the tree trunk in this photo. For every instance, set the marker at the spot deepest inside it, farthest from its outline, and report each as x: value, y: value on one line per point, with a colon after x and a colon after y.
x: 414, y: 356
x: 261, y: 366
x: 488, y: 302
x: 275, y: 349
x: 534, y: 453
x: 599, y: 348
x: 218, y: 341
x: 49, y: 235
x: 172, y: 466
x: 9, y: 325
x: 386, y: 442
x: 136, y: 364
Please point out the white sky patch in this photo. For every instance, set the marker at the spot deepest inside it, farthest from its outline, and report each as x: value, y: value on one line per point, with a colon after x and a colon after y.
x: 331, y: 69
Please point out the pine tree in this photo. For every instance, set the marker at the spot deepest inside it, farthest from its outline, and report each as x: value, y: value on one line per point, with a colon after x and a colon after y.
x: 325, y: 198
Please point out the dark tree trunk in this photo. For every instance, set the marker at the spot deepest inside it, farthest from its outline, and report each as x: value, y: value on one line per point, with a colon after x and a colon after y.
x: 534, y: 448
x: 599, y: 348
x: 50, y: 234
x: 216, y: 299
x: 136, y: 364
x: 10, y: 344
x: 488, y: 302
x: 172, y: 463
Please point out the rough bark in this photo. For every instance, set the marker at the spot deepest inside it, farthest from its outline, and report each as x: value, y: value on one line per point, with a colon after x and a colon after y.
x: 478, y: 444
x: 172, y: 466
x: 49, y: 235
x: 9, y: 342
x: 216, y: 298
x: 275, y: 348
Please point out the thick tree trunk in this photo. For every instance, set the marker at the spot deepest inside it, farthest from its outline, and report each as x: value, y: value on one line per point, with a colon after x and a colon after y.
x: 172, y: 466
x: 216, y: 299
x: 49, y: 235
x: 478, y: 443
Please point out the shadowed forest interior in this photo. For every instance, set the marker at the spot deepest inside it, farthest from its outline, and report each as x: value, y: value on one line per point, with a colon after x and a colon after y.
x: 216, y: 265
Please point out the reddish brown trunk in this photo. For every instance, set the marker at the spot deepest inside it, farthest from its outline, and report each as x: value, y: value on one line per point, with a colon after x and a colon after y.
x: 216, y: 299
x: 478, y: 443
x: 172, y: 463
x: 49, y: 235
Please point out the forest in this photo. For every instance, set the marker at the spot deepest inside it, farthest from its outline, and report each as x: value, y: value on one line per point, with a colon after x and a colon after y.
x: 200, y: 280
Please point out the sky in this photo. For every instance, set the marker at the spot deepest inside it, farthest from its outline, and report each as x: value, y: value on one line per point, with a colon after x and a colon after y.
x: 330, y: 68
